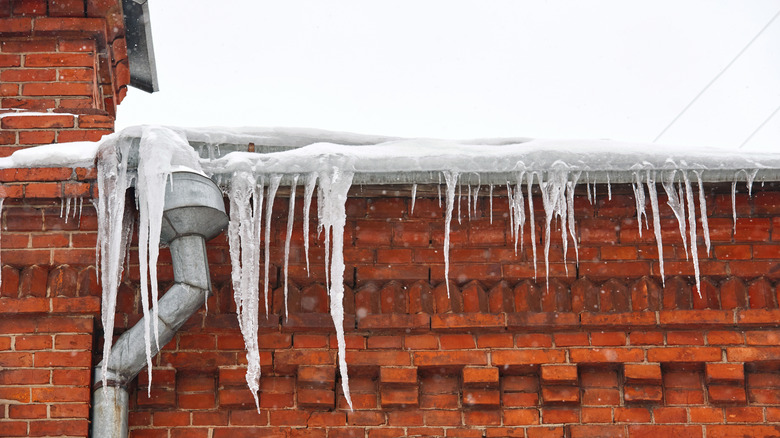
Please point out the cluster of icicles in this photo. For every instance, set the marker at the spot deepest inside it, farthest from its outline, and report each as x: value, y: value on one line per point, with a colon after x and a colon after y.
x: 252, y: 195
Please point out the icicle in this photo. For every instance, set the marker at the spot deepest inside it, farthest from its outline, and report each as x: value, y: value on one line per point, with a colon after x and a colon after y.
x: 511, y: 205
x: 703, y: 213
x: 570, y: 187
x: 153, y: 172
x: 244, y: 228
x: 67, y: 208
x: 112, y: 184
x: 414, y: 196
x: 490, y: 195
x: 468, y: 203
x: 734, y: 203
x: 81, y: 206
x: 476, y: 197
x: 308, y: 191
x: 587, y: 187
x: 438, y: 188
x: 290, y: 220
x: 692, y: 230
x: 639, y: 200
x: 272, y: 187
x: 651, y: 189
x: 518, y: 207
x: 609, y: 188
x: 531, y: 217
x: 554, y: 201
x: 321, y: 202
x: 749, y: 178
x: 460, y: 200
x: 256, y: 235
x: 62, y: 207
x: 334, y: 190
x: 675, y: 202
x: 451, y: 177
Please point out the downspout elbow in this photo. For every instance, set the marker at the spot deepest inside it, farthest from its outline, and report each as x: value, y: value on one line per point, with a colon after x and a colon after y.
x: 194, y: 212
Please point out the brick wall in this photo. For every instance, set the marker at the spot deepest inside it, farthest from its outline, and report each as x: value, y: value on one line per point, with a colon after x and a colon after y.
x: 608, y: 350
x: 66, y: 59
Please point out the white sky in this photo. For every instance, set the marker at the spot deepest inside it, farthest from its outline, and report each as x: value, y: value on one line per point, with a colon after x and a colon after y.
x: 615, y: 69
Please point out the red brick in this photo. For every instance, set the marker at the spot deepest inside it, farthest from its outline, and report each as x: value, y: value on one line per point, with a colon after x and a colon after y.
x: 10, y: 60
x: 36, y: 137
x: 457, y: 342
x: 687, y: 354
x: 740, y: 431
x: 482, y: 377
x: 633, y: 393
x: 398, y: 376
x: 399, y: 397
x: 559, y: 374
x: 632, y: 415
x: 607, y: 355
x: 66, y: 8
x: 654, y: 431
x: 560, y: 394
x: 56, y: 89
x: 725, y: 372
x: 484, y: 398
x: 59, y: 427
x: 482, y: 418
x: 521, y: 417
x: 526, y: 357
x: 41, y: 121
x: 28, y: 75
x: 450, y: 358
x: 732, y: 394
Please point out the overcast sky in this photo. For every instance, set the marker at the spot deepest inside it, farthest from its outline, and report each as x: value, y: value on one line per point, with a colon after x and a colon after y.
x: 612, y: 69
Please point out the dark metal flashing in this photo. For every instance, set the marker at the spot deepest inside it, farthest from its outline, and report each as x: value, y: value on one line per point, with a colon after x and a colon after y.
x: 140, y: 51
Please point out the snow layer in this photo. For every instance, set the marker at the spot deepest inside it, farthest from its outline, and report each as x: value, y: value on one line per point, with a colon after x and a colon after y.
x: 554, y: 166
x: 76, y: 154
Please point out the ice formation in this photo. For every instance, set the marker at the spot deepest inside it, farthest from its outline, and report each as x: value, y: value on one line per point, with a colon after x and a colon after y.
x: 332, y: 162
x: 160, y: 152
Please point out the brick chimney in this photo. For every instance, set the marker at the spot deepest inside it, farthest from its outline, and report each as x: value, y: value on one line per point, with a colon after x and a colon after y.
x: 63, y: 70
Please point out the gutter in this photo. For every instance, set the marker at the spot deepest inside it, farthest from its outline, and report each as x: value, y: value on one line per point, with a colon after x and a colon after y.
x: 194, y: 212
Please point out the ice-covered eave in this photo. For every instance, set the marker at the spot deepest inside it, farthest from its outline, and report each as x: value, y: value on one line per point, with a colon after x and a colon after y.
x: 378, y: 160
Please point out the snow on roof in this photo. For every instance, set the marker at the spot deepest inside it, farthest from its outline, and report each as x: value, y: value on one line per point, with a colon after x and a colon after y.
x: 298, y: 150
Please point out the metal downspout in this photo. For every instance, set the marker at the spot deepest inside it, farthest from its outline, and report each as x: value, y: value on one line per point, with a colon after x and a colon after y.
x: 194, y: 212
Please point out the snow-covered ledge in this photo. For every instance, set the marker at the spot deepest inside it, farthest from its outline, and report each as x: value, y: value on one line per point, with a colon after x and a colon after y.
x: 251, y: 164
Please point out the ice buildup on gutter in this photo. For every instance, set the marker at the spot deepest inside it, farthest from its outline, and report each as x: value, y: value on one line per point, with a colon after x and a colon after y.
x: 332, y: 163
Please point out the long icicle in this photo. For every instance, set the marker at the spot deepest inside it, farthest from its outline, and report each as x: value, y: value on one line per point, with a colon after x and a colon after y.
x: 570, y: 187
x: 531, y: 219
x: 290, y: 220
x: 675, y: 202
x: 308, y: 191
x: 414, y: 197
x: 272, y: 187
x: 651, y: 189
x: 519, y: 209
x: 703, y: 213
x: 451, y: 177
x: 692, y: 230
x: 334, y: 190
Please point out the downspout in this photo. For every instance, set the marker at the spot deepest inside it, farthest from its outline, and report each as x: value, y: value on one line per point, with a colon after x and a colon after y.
x: 194, y: 212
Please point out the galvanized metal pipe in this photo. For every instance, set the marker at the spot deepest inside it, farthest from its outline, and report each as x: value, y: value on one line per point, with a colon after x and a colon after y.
x: 194, y: 213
